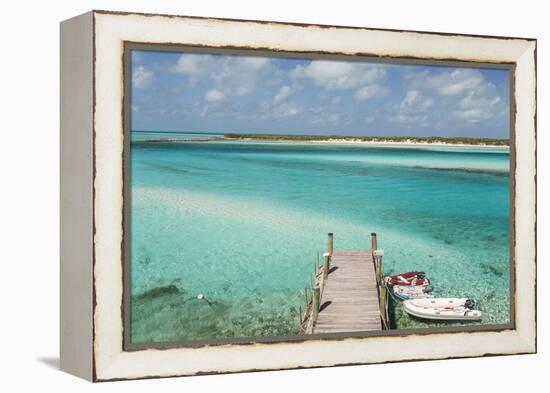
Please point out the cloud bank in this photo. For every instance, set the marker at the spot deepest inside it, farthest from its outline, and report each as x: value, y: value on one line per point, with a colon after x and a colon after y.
x: 221, y: 93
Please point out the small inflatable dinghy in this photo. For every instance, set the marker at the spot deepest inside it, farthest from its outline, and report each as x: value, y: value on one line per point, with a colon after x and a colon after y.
x: 408, y: 278
x: 443, y: 308
x: 406, y: 292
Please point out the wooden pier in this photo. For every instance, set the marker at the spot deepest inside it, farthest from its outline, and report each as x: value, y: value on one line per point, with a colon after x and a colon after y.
x: 349, y: 294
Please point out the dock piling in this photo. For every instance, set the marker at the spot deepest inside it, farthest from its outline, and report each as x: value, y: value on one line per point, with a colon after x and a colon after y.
x: 315, y: 303
x: 326, y: 265
x: 383, y: 291
x: 330, y: 246
x: 373, y: 241
x: 380, y: 271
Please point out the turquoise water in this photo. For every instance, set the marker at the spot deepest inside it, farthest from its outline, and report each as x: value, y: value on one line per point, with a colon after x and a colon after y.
x: 242, y: 223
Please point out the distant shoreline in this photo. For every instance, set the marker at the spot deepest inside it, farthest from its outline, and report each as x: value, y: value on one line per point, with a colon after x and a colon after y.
x: 176, y: 132
x: 382, y: 143
x: 398, y: 141
x: 336, y: 139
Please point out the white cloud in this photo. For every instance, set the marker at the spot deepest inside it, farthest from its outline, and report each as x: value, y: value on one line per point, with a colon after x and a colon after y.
x: 196, y: 66
x: 283, y: 93
x: 141, y: 77
x: 473, y: 115
x: 232, y: 75
x: 333, y: 75
x: 475, y: 99
x: 368, y: 92
x: 324, y: 116
x: 410, y: 99
x: 463, y: 93
x: 336, y: 100
x: 459, y: 81
x: 412, y: 111
x: 415, y: 101
x: 266, y: 111
x: 253, y: 63
x: 447, y: 83
x: 479, y: 104
x: 214, y: 95
x: 410, y: 120
x: 287, y: 110
x: 240, y: 75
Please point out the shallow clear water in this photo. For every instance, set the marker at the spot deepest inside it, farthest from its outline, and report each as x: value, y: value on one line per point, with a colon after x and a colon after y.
x: 242, y: 223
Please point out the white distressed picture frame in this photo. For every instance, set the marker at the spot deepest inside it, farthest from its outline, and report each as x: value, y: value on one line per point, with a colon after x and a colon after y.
x: 92, y: 151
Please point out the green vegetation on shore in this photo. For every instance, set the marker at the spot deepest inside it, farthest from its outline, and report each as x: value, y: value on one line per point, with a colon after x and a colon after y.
x: 397, y: 139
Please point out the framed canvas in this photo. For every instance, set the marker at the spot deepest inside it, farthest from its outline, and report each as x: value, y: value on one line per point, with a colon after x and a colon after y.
x: 246, y: 195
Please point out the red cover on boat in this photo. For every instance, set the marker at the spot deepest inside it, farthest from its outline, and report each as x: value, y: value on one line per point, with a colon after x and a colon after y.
x: 408, y: 278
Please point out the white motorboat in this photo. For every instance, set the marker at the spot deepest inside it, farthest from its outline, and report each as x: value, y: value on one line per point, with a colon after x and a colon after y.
x: 443, y: 308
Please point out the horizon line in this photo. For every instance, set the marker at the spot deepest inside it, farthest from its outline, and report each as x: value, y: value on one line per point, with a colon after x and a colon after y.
x: 321, y: 135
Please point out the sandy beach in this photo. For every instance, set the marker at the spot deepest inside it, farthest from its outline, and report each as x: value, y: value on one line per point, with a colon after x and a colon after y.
x: 346, y: 141
x: 407, y: 143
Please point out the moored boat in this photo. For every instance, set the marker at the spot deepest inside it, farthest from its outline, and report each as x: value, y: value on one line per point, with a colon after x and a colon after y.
x: 406, y: 292
x: 408, y: 278
x: 443, y: 308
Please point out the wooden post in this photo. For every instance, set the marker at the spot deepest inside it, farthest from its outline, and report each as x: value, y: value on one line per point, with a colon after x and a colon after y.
x: 383, y: 292
x: 376, y: 261
x: 330, y: 247
x: 326, y: 265
x: 318, y: 263
x: 378, y: 270
x: 315, y: 304
x: 380, y: 303
x: 381, y: 270
x: 387, y: 308
x: 383, y: 299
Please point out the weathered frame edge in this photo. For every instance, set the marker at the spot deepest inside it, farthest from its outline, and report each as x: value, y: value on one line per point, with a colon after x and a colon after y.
x: 76, y: 196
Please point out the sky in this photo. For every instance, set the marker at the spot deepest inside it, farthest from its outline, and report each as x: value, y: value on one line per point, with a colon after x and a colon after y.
x: 213, y: 93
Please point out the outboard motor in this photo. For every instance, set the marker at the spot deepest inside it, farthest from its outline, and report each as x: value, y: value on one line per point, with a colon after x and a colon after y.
x: 421, y: 275
x: 470, y: 304
x: 427, y: 289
